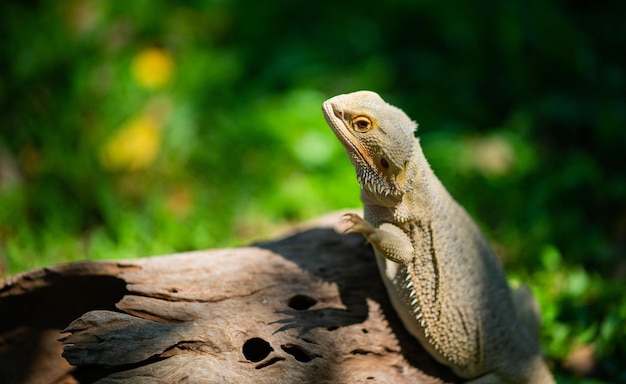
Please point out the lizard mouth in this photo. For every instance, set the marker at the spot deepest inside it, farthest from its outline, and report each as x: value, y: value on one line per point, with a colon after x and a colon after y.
x: 336, y: 119
x: 365, y: 166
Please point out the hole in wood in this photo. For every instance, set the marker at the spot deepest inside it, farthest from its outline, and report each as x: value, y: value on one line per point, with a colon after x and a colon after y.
x: 301, y: 302
x: 299, y: 353
x: 256, y: 349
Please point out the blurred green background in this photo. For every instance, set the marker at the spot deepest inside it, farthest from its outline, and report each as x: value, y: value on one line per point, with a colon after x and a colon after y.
x: 149, y: 127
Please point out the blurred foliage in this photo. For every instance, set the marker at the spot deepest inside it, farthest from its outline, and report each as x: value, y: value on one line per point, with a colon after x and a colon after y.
x: 149, y: 127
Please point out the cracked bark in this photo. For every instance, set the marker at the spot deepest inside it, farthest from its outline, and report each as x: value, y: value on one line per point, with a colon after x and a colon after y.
x: 306, y: 308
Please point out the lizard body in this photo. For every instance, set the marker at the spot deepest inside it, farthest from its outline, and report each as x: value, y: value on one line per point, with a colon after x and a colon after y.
x: 443, y: 279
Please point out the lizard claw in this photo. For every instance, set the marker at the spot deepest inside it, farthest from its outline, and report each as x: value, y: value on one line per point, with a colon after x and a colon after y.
x: 358, y: 224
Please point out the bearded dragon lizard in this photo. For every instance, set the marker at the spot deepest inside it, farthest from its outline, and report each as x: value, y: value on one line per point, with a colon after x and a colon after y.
x: 443, y: 279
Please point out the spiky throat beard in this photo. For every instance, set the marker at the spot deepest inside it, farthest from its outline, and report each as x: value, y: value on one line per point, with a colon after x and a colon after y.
x: 372, y: 181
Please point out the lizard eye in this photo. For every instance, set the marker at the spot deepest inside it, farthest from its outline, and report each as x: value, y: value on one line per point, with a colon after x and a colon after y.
x: 361, y: 124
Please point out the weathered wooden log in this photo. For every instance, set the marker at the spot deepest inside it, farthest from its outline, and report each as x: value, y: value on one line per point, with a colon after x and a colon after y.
x: 307, y: 308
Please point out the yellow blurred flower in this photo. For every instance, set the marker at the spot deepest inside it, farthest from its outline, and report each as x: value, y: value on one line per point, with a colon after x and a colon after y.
x: 134, y: 146
x: 152, y: 68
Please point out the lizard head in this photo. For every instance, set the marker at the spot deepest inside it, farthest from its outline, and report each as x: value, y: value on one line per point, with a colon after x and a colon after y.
x: 378, y: 139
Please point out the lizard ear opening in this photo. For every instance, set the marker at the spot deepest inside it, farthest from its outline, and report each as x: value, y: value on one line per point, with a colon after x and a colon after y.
x: 384, y: 163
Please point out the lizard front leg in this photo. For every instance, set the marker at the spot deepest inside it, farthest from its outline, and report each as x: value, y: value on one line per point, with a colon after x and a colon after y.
x: 388, y: 240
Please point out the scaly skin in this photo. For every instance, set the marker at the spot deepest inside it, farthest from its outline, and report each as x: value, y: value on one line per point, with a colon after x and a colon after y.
x: 442, y: 277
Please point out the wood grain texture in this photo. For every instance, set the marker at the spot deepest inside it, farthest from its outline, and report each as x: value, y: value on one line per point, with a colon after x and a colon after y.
x: 306, y: 308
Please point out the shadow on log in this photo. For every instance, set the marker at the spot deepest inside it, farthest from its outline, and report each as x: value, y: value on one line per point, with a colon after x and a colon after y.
x: 307, y: 308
